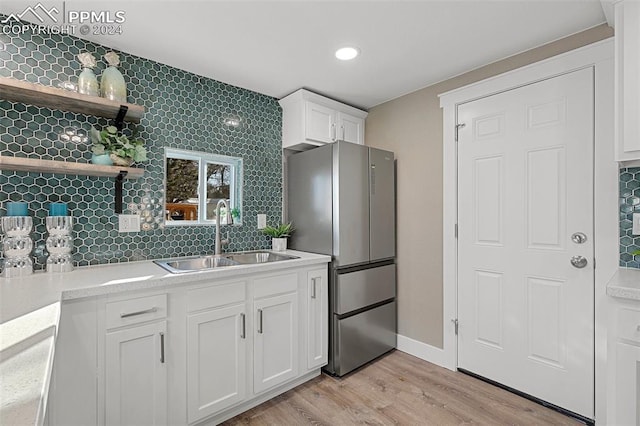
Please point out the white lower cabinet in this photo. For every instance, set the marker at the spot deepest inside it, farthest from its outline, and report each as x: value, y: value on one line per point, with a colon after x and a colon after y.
x: 194, y: 355
x: 317, y: 332
x: 627, y: 405
x: 275, y: 341
x: 216, y: 360
x: 136, y: 376
x: 623, y: 364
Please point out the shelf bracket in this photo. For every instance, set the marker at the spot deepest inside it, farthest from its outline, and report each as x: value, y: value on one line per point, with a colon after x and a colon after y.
x: 119, y: 121
x: 118, y: 190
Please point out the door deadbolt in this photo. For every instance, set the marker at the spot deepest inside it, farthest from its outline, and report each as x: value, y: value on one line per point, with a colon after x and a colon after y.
x: 579, y: 261
x: 579, y: 238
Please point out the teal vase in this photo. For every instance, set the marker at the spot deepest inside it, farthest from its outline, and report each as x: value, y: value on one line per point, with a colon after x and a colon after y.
x: 112, y: 85
x: 102, y: 160
x: 88, y: 83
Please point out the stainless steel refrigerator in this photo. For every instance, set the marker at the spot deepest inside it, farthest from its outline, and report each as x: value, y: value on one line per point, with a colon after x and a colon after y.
x: 341, y: 200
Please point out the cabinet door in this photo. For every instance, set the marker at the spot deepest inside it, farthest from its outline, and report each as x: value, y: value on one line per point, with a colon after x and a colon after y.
x: 275, y: 357
x: 216, y: 360
x: 317, y: 318
x: 350, y: 128
x: 627, y: 25
x: 136, y: 376
x: 319, y: 123
x: 627, y: 401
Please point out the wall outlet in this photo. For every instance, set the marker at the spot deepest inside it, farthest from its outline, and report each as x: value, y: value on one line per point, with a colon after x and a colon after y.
x: 636, y: 224
x: 128, y: 223
x: 262, y: 221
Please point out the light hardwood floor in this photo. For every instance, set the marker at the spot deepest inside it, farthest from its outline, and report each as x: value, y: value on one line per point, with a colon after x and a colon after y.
x: 399, y: 389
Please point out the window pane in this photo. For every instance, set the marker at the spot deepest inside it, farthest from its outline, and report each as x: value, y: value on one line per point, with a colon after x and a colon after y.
x: 218, y: 188
x: 182, y: 189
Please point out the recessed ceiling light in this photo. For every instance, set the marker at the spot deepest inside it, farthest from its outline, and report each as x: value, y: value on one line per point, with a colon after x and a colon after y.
x: 347, y: 53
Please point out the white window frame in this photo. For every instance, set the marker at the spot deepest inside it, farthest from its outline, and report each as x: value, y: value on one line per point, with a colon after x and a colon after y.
x: 204, y: 158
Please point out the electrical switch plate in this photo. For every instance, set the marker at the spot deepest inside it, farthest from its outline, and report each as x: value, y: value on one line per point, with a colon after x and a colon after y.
x: 262, y: 221
x: 636, y: 224
x: 128, y: 223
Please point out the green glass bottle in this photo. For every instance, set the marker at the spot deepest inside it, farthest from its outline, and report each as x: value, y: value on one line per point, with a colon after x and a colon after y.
x: 112, y: 84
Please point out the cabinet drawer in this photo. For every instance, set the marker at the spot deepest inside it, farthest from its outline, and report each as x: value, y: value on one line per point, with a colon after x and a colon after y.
x: 134, y: 311
x: 279, y: 284
x: 215, y: 296
x: 629, y: 325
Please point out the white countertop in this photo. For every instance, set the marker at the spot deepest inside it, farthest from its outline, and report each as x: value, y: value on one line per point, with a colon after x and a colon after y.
x: 30, y: 312
x: 625, y: 284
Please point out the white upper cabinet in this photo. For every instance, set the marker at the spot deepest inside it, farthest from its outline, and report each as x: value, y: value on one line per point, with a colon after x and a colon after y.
x: 350, y: 128
x: 627, y: 42
x: 310, y: 120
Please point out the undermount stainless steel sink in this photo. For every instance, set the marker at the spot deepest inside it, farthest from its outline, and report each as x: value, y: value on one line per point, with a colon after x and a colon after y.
x: 203, y: 263
x: 193, y: 264
x: 252, y: 257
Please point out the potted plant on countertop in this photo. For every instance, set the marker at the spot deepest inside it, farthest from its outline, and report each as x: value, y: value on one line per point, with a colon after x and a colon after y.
x: 109, y: 148
x: 279, y: 235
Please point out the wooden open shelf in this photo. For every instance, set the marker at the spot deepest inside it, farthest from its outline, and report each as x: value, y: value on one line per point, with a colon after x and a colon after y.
x: 66, y: 168
x: 54, y: 98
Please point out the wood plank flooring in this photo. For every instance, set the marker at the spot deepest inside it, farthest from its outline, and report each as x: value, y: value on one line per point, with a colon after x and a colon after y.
x: 400, y: 389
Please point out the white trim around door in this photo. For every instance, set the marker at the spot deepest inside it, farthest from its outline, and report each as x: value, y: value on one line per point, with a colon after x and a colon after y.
x: 600, y: 57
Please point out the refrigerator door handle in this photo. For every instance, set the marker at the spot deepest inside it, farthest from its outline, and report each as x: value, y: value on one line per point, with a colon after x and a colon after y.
x: 373, y: 179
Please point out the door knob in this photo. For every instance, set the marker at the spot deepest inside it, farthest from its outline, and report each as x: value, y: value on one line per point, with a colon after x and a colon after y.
x: 579, y: 261
x: 579, y: 238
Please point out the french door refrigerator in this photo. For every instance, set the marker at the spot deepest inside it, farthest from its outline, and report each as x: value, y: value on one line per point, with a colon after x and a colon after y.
x: 341, y: 200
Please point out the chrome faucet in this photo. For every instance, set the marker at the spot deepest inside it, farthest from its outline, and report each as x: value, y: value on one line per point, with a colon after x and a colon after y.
x: 219, y: 241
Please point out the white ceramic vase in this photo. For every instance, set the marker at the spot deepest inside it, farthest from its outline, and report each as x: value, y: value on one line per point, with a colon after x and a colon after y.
x: 279, y: 244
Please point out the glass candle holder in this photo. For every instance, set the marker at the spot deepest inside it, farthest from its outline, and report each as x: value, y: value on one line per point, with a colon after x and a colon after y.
x: 59, y: 243
x: 17, y: 208
x: 17, y: 246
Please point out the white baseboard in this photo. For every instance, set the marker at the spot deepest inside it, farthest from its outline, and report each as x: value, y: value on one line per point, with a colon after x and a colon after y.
x: 423, y: 351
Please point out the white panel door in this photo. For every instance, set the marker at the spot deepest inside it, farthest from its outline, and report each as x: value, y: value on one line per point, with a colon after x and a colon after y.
x: 319, y: 123
x: 136, y: 376
x: 317, y: 318
x: 525, y: 187
x: 350, y: 128
x: 216, y: 360
x: 275, y: 355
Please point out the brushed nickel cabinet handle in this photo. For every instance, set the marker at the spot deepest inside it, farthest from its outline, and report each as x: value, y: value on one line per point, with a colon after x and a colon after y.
x: 133, y: 314
x: 313, y: 288
x: 162, y: 348
x: 333, y: 132
x: 260, y: 321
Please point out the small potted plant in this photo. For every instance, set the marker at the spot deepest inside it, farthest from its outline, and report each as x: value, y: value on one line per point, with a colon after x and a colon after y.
x: 235, y: 215
x: 119, y: 149
x: 279, y: 235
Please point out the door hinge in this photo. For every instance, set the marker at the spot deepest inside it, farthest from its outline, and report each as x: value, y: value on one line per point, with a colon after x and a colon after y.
x: 458, y: 127
x: 456, y: 231
x: 455, y: 325
x: 594, y: 263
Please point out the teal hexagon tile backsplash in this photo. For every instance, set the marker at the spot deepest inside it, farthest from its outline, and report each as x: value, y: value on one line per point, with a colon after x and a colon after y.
x: 629, y: 204
x: 183, y: 110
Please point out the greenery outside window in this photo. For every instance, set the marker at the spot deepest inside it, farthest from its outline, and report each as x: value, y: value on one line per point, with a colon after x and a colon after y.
x: 196, y: 181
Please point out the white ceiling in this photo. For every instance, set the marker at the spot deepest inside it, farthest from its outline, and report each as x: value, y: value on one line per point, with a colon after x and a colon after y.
x: 276, y: 47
